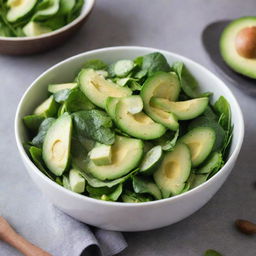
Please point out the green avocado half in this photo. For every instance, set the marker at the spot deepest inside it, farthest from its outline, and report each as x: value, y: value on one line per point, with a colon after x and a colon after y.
x: 239, y: 34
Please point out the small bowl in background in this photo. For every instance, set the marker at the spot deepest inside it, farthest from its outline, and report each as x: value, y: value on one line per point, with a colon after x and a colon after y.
x: 36, y: 44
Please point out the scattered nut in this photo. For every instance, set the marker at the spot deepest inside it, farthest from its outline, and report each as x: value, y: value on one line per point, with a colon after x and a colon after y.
x: 246, y: 227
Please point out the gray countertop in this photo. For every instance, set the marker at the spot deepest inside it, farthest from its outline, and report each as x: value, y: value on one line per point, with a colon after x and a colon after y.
x: 170, y: 25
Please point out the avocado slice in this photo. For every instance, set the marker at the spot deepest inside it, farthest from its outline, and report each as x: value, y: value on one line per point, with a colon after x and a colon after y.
x: 174, y: 171
x: 111, y: 103
x: 238, y: 46
x: 183, y: 110
x: 53, y: 88
x: 19, y: 9
x: 161, y: 85
x: 126, y: 155
x: 137, y: 125
x: 48, y: 108
x: 98, y: 89
x: 101, y: 154
x: 35, y: 29
x: 200, y: 142
x: 56, y: 146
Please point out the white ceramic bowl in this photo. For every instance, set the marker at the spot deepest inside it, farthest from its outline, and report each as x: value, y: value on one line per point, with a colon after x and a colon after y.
x: 126, y: 216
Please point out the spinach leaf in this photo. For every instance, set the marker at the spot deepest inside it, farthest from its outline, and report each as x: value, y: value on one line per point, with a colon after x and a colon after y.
x: 152, y: 63
x: 75, y: 11
x: 44, y: 126
x: 32, y: 122
x: 94, y: 124
x: 36, y: 155
x: 95, y: 64
x: 131, y: 197
x: 99, y: 183
x: 143, y: 185
x: 74, y: 100
x: 188, y: 83
x: 168, y: 140
x: 222, y: 107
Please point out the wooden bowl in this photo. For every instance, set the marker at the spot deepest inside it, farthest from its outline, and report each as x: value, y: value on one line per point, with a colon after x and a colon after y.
x: 36, y: 44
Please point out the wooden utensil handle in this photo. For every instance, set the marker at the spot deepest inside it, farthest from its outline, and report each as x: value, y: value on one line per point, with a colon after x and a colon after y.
x: 8, y: 235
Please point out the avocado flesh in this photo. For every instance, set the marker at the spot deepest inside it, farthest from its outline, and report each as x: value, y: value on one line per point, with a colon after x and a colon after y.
x: 98, y: 89
x: 174, y: 171
x: 200, y: 142
x: 183, y: 110
x: 244, y: 66
x: 126, y: 155
x: 19, y: 9
x: 137, y: 125
x: 161, y: 85
x: 53, y: 88
x: 56, y: 146
x: 35, y: 29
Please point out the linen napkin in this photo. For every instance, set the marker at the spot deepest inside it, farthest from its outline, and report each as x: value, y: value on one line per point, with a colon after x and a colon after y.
x: 210, y: 38
x: 35, y: 218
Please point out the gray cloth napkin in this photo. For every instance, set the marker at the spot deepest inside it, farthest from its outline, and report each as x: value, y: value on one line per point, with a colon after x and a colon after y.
x: 210, y: 38
x: 34, y: 217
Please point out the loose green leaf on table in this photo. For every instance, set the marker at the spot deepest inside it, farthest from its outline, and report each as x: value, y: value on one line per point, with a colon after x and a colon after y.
x: 211, y: 252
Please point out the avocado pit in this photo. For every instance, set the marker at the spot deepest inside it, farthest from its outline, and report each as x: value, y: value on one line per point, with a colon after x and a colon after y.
x: 245, y: 42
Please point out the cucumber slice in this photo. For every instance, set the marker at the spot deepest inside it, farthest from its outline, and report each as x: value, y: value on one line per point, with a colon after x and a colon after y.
x: 56, y: 146
x: 19, y: 9
x: 77, y: 182
x: 66, y: 183
x: 123, y: 67
x: 200, y: 142
x: 151, y: 160
x: 98, y: 89
x: 174, y: 171
x: 135, y: 104
x: 183, y: 110
x: 101, y: 154
x: 48, y: 108
x: 53, y: 88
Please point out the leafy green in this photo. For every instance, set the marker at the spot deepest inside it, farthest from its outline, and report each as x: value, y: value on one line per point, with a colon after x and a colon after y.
x: 188, y: 83
x: 144, y: 185
x: 73, y: 99
x: 131, y: 197
x: 209, y: 119
x: 95, y: 64
x: 211, y: 252
x: 114, y: 195
x: 213, y: 163
x: 32, y: 122
x: 44, y: 126
x: 152, y: 63
x: 222, y: 107
x: 75, y: 11
x: 168, y: 140
x: 36, y: 155
x: 94, y: 124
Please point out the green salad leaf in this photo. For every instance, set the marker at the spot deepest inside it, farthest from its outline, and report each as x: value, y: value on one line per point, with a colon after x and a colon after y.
x: 94, y: 124
x: 152, y: 63
x: 188, y: 83
x: 95, y: 64
x: 132, y: 197
x: 44, y: 126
